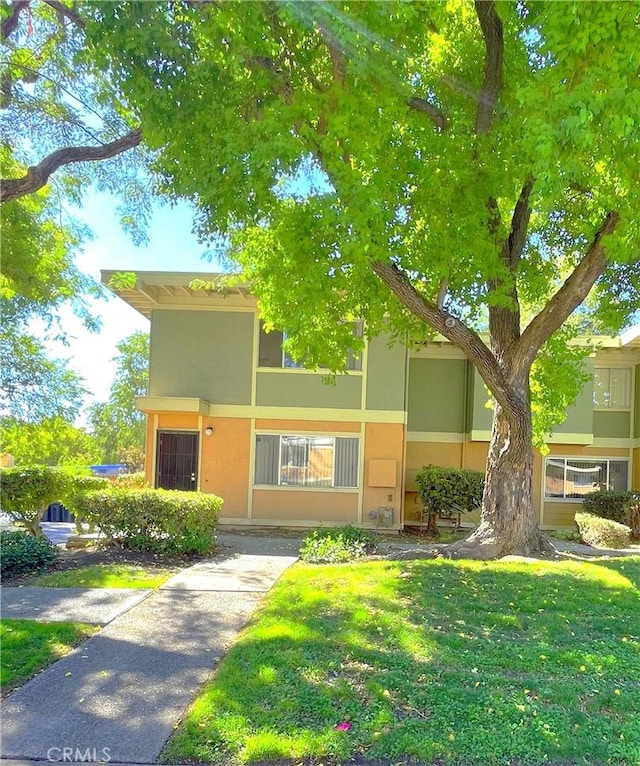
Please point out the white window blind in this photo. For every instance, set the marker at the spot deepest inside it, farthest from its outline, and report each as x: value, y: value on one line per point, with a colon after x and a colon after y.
x: 567, y: 478
x: 612, y: 387
x: 306, y: 461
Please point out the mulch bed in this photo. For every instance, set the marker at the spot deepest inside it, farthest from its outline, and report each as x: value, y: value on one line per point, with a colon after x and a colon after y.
x: 112, y: 554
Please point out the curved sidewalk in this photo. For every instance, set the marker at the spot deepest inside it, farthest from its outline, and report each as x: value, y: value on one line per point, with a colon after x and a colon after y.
x: 126, y: 687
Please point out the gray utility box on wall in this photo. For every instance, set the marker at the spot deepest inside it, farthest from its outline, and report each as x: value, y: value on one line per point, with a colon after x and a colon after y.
x: 382, y: 516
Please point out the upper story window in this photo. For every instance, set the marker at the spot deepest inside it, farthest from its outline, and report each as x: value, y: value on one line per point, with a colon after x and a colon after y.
x: 272, y: 354
x: 572, y: 479
x: 612, y: 388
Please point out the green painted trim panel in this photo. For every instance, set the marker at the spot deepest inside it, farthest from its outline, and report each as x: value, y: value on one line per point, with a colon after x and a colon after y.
x: 202, y: 354
x: 436, y: 395
x: 281, y: 389
x: 386, y: 375
x: 479, y: 397
x: 579, y: 418
x: 611, y: 425
x: 636, y: 406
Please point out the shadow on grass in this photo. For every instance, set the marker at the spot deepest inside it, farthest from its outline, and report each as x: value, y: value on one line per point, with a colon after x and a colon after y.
x: 436, y: 660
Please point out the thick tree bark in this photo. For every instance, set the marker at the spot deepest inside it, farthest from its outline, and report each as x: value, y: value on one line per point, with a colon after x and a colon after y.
x: 10, y: 24
x: 38, y: 175
x: 509, y: 522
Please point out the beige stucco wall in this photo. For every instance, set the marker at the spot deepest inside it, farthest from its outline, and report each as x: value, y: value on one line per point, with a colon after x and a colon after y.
x: 225, y: 463
x: 290, y: 506
x: 383, y: 441
x: 559, y: 515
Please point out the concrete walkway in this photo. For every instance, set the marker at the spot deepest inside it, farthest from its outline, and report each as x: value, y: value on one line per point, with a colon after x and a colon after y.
x: 96, y: 606
x: 126, y: 687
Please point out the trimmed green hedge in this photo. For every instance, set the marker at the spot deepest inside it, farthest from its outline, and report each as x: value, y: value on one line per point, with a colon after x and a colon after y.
x: 22, y: 553
x: 602, y: 533
x: 623, y: 507
x: 75, y: 491
x: 159, y: 520
x: 135, y: 480
x: 447, y: 492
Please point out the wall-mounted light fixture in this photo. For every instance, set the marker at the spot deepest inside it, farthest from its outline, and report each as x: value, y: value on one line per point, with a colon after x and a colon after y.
x: 208, y: 430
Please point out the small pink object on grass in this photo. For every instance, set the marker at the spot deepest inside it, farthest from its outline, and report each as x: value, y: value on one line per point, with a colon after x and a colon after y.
x: 344, y: 726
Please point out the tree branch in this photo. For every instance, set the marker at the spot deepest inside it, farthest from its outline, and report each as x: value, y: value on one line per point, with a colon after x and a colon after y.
x: 64, y: 11
x: 504, y: 321
x: 519, y: 226
x: 457, y: 332
x: 433, y: 113
x: 567, y: 299
x: 442, y: 293
x: 10, y: 24
x: 491, y: 27
x: 338, y: 60
x: 38, y: 175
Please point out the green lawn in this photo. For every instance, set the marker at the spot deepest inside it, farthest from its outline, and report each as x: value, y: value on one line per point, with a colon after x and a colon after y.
x: 29, y: 646
x: 105, y: 576
x: 454, y: 662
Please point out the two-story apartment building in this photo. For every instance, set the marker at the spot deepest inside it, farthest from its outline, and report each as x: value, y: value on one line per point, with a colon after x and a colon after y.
x: 229, y: 412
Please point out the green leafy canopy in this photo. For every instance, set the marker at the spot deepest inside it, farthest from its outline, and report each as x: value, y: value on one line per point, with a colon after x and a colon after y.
x: 322, y: 139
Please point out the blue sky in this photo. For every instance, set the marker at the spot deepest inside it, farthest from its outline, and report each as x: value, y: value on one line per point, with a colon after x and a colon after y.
x: 171, y: 247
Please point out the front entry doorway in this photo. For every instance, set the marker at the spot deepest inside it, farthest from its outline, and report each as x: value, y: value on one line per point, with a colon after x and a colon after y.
x: 177, y: 460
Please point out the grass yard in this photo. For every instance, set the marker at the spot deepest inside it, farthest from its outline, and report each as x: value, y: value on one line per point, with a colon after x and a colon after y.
x: 438, y: 661
x: 105, y: 576
x: 29, y: 646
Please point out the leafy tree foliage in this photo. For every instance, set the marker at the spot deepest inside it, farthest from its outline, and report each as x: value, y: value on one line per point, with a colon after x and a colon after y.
x: 118, y: 426
x: 48, y: 102
x: 49, y: 441
x: 39, y: 277
x: 69, y: 114
x: 454, y: 167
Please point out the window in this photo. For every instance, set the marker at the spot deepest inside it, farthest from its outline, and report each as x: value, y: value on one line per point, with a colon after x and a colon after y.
x: 612, y: 387
x: 306, y: 461
x: 271, y: 353
x: 573, y: 479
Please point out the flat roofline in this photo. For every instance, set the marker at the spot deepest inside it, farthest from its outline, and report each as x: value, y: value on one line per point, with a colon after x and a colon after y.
x: 153, y: 289
x: 148, y: 284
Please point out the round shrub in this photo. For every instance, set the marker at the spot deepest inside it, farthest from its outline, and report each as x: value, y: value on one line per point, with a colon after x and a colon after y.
x: 22, y: 553
x: 28, y: 490
x: 446, y: 492
x: 617, y: 505
x: 336, y: 545
x: 602, y: 533
x: 159, y: 520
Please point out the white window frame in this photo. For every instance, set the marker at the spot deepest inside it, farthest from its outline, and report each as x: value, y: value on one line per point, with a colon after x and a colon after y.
x: 301, y: 487
x: 577, y: 458
x: 615, y: 408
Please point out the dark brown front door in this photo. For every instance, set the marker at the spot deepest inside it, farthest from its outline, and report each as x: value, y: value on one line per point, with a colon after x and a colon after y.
x: 177, y: 460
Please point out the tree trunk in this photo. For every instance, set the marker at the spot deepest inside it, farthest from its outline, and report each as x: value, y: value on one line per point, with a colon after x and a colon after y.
x: 509, y: 522
x: 431, y: 530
